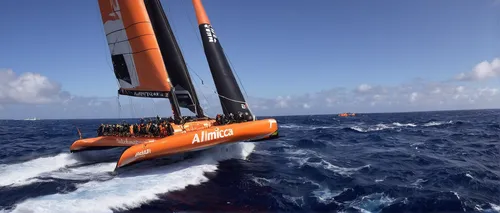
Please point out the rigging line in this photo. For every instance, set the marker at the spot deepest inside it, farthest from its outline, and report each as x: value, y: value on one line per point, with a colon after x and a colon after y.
x: 234, y: 70
x: 193, y: 27
x: 154, y: 106
x: 203, y: 94
x: 119, y: 106
x: 236, y: 101
x: 180, y: 44
x: 200, y: 42
x: 129, y: 39
x: 132, y: 110
x: 189, y: 68
x: 241, y: 83
x: 103, y: 32
x: 125, y: 28
x: 222, y: 103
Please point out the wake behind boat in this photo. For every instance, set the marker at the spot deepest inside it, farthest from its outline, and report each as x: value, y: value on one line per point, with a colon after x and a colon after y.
x: 148, y: 63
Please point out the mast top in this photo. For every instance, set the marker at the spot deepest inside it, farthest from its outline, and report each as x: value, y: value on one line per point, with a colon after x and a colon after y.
x: 201, y: 15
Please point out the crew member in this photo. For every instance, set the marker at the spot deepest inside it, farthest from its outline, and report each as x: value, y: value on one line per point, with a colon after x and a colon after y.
x: 100, y: 130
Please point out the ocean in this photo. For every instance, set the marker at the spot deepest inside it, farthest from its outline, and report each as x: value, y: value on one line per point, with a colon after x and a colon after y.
x: 388, y: 162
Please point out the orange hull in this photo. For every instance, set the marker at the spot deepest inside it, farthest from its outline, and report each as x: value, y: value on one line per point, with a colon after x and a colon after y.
x: 104, y: 142
x: 198, y: 140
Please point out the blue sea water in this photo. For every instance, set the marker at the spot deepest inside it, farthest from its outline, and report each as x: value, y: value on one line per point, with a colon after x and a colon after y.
x: 391, y: 162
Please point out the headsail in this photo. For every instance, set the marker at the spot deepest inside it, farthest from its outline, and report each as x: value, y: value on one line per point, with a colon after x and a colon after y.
x: 230, y: 95
x: 172, y: 56
x: 136, y: 57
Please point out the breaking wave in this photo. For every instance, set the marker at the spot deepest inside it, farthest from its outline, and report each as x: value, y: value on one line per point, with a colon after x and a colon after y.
x: 381, y: 126
x: 132, y: 188
x: 24, y: 173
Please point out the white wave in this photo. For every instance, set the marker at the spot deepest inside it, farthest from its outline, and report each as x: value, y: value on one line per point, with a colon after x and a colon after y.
x: 296, y: 200
x: 436, y: 123
x: 337, y: 169
x: 469, y: 176
x: 382, y: 126
x: 405, y: 125
x: 377, y: 127
x: 295, y: 152
x: 495, y: 207
x: 25, y: 172
x: 264, y: 181
x: 291, y: 126
x: 307, y: 127
x: 418, y: 183
x: 325, y: 195
x: 323, y: 164
x: 83, y: 173
x: 274, y: 181
x: 263, y: 152
x: 136, y: 187
x: 372, y: 201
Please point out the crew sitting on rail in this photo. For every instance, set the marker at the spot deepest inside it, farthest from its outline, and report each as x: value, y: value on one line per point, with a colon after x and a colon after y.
x: 221, y: 119
x: 148, y: 128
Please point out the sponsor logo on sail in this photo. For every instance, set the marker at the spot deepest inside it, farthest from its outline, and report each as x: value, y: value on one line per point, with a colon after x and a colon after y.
x: 142, y: 153
x: 212, y: 38
x: 149, y: 94
x: 211, y: 135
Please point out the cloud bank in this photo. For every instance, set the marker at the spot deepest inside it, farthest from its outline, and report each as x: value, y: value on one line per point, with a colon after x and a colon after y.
x: 28, y: 88
x: 34, y: 95
x: 482, y: 71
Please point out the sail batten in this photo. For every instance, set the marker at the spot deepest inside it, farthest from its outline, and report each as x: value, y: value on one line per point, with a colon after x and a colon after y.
x: 136, y: 57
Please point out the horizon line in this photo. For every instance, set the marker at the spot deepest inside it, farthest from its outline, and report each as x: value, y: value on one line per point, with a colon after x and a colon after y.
x: 319, y: 114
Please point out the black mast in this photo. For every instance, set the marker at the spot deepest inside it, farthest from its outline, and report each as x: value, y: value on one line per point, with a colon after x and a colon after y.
x: 230, y: 95
x: 174, y: 61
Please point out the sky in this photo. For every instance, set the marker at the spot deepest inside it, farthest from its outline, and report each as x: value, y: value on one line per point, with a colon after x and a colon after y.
x: 298, y: 57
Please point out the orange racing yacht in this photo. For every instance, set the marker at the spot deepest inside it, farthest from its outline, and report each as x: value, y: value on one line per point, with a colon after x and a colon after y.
x: 148, y: 63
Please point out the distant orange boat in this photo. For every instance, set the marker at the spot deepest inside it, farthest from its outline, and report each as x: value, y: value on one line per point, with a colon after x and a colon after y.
x: 346, y: 114
x: 148, y: 63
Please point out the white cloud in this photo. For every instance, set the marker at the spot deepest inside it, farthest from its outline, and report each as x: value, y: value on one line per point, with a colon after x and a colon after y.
x: 33, y: 95
x: 413, y: 96
x: 282, y: 102
x: 482, y: 71
x: 364, y: 88
x: 28, y: 88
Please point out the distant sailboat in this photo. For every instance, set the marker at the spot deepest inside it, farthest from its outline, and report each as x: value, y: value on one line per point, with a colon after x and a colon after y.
x: 148, y: 63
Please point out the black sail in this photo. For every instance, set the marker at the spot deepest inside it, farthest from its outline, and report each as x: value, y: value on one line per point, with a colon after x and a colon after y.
x: 231, y: 98
x: 173, y: 58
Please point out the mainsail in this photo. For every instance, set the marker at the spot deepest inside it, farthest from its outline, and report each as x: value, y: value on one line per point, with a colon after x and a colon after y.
x: 137, y: 60
x: 230, y: 95
x: 172, y: 56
